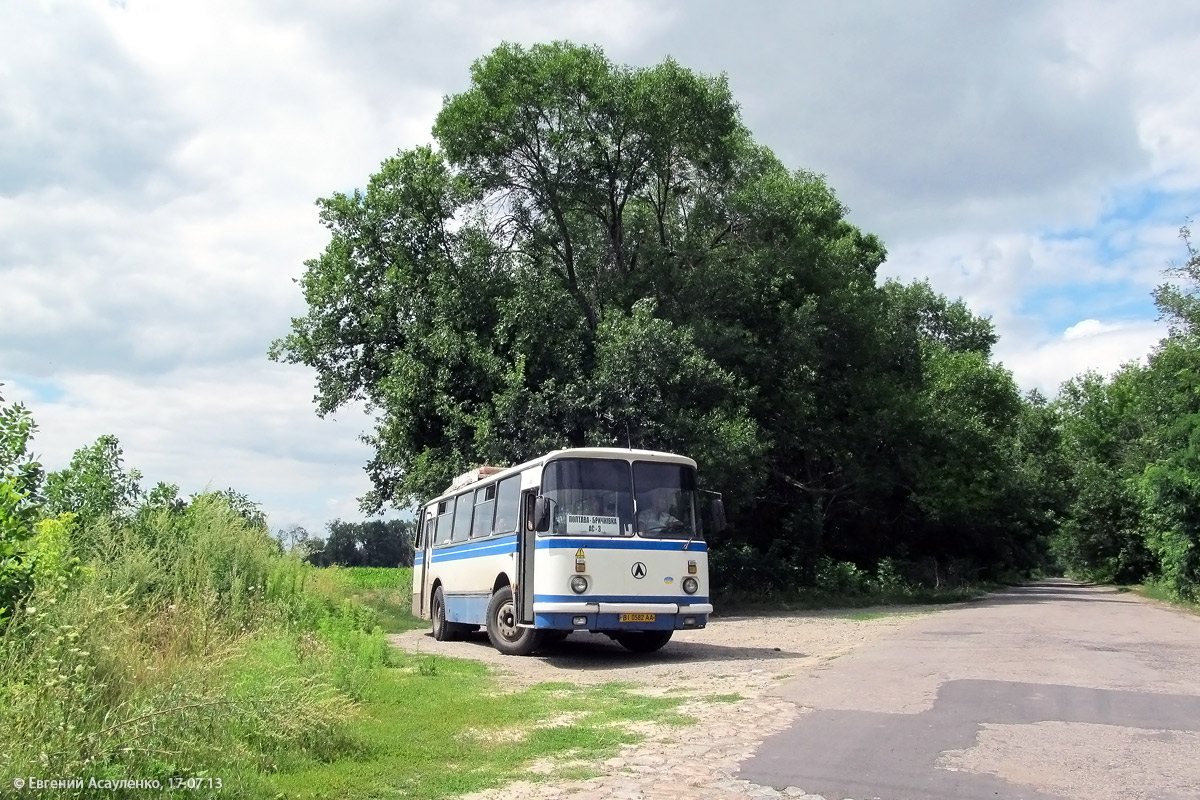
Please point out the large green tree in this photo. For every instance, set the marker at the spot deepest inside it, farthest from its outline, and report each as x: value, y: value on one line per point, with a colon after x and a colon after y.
x: 576, y: 264
x: 594, y: 254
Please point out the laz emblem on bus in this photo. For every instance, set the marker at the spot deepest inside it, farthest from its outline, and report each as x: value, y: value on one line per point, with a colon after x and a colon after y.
x: 639, y: 570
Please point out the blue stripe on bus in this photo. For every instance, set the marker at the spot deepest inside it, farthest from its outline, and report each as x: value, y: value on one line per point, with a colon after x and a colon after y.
x: 418, y: 559
x: 491, y: 547
x: 557, y: 543
x: 683, y: 600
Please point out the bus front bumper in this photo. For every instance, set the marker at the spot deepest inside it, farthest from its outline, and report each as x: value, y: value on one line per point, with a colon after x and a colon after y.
x: 620, y: 616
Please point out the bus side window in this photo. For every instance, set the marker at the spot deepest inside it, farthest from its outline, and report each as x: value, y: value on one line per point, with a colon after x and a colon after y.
x: 444, y: 518
x: 508, y: 504
x: 462, y: 516
x: 485, y: 504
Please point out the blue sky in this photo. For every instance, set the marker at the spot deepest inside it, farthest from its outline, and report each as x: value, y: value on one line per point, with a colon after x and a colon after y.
x: 159, y: 163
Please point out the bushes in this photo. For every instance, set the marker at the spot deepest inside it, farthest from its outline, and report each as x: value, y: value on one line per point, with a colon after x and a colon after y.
x: 184, y: 643
x: 742, y: 576
x: 16, y: 564
x: 171, y: 638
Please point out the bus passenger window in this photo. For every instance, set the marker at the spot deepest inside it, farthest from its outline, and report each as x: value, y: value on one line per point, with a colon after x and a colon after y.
x: 462, y: 516
x: 508, y: 504
x: 444, y: 518
x: 485, y: 503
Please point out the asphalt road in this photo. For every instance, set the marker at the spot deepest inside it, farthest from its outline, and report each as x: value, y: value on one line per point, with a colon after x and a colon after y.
x: 1056, y: 690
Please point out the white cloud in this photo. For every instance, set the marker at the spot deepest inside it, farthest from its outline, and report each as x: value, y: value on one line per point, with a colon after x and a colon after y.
x: 1089, y: 344
x: 243, y: 424
x: 162, y: 162
x: 158, y: 164
x: 1089, y: 328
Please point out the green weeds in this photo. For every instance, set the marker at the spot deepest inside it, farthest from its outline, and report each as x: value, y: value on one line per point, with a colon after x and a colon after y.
x: 745, y: 581
x: 386, y: 591
x: 182, y: 643
x: 1163, y: 593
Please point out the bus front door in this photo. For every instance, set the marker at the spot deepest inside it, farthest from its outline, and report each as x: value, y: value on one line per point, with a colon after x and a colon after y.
x: 421, y: 573
x: 526, y: 542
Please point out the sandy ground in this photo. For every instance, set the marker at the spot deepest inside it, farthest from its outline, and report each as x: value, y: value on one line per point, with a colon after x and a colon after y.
x: 743, y: 656
x: 733, y: 654
x: 1105, y: 702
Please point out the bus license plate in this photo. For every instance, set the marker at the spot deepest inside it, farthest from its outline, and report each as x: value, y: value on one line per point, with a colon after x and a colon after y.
x: 637, y: 618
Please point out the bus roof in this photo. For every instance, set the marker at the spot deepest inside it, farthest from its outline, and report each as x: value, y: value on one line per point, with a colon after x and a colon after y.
x: 627, y: 454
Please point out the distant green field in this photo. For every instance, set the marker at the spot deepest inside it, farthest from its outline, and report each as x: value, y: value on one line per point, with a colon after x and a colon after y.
x: 385, y: 590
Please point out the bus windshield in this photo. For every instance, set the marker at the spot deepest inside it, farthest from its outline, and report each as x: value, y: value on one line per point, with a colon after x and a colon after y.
x: 596, y: 497
x: 666, y: 500
x: 589, y: 496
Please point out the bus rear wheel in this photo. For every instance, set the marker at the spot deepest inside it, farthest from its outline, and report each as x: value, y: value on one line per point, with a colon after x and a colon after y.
x: 643, y: 641
x: 444, y: 631
x: 503, y: 629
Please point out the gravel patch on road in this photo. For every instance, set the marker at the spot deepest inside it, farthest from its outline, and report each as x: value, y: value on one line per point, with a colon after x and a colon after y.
x: 743, y: 656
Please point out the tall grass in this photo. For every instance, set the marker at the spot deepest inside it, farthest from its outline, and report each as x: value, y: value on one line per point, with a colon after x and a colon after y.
x: 385, y: 590
x: 186, y: 645
x: 182, y: 644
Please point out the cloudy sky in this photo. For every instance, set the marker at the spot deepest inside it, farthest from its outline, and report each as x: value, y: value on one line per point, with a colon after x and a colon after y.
x: 159, y: 163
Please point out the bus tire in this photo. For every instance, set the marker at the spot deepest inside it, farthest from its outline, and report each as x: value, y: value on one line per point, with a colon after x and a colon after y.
x: 443, y: 631
x: 502, y: 628
x: 643, y: 641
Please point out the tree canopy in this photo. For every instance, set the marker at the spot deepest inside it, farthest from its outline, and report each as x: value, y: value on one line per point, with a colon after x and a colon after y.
x: 596, y: 254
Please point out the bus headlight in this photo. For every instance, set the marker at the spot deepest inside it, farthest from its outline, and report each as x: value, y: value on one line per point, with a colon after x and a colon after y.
x: 579, y: 584
x: 690, y: 584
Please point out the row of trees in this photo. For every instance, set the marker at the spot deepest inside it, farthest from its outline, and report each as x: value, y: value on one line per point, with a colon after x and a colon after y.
x: 374, y: 543
x: 595, y: 254
x: 1131, y: 454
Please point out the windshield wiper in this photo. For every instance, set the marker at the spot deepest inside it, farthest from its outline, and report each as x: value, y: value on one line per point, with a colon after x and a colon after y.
x: 670, y: 527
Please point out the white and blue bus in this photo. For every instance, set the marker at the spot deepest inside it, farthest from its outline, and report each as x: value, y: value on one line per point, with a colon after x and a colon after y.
x: 586, y: 539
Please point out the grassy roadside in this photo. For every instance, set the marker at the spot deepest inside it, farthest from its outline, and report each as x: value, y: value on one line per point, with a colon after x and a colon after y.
x: 429, y: 727
x: 432, y: 727
x: 182, y: 645
x: 1161, y: 594
x: 387, y: 592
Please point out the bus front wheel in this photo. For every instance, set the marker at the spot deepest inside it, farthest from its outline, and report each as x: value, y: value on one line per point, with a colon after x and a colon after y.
x: 505, y: 634
x: 643, y: 641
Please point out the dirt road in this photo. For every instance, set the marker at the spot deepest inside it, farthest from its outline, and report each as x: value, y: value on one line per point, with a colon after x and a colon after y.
x: 732, y: 654
x: 1051, y: 691
x: 1056, y: 690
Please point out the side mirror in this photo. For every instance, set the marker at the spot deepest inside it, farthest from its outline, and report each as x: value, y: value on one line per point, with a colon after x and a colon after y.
x: 717, y: 515
x: 541, y: 514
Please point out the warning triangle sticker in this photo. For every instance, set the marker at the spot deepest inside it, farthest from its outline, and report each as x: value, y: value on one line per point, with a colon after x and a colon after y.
x: 579, y: 553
